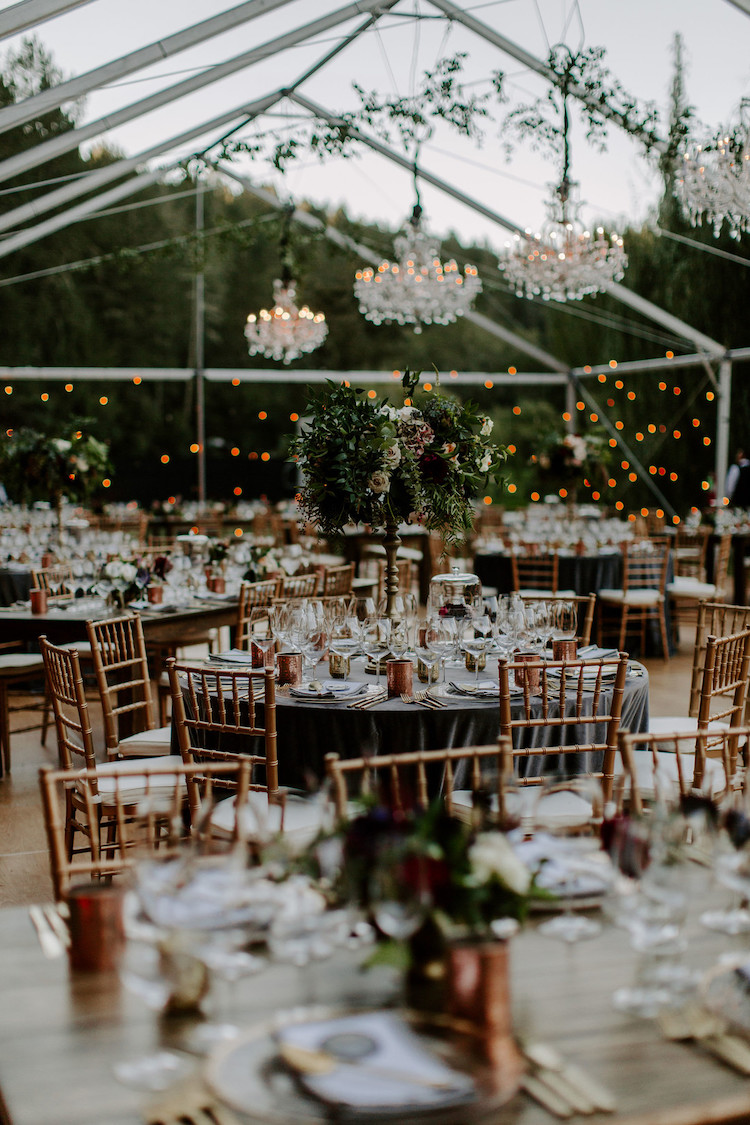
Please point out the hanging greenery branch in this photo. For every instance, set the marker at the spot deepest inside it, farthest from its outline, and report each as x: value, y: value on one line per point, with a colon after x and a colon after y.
x: 441, y: 96
x: 538, y: 122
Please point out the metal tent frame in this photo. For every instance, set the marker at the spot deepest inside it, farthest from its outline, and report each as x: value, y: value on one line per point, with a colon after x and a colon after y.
x: 25, y: 15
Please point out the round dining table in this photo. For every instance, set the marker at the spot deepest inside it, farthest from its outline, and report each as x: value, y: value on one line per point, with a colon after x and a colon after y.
x: 586, y: 573
x: 308, y: 728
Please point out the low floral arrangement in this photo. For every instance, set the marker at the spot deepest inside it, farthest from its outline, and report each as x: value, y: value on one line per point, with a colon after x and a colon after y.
x: 366, y: 461
x: 573, y: 460
x: 38, y: 466
x: 218, y: 550
x: 263, y: 562
x: 466, y: 880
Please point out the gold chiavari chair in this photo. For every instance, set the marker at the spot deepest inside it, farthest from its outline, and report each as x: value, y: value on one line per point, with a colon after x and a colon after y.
x: 216, y: 713
x: 152, y: 824
x: 642, y: 598
x: 337, y: 580
x: 118, y: 650
x: 582, y: 697
x: 657, y: 766
x: 252, y: 594
x: 106, y: 783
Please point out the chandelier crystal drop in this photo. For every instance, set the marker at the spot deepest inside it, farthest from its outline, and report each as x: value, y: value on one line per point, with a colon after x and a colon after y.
x: 564, y: 261
x: 417, y: 288
x: 713, y: 181
x: 284, y: 332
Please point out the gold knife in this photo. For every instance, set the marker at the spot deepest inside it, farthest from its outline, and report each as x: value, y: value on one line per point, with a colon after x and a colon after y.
x: 51, y: 945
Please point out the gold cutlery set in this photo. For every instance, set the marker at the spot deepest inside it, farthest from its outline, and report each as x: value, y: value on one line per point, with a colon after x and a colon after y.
x: 562, y: 1088
x: 51, y: 930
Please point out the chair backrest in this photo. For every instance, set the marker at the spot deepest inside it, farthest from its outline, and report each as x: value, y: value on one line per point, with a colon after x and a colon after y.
x: 338, y: 580
x: 688, y: 751
x: 252, y: 594
x: 535, y: 572
x: 154, y: 825
x: 721, y: 563
x: 118, y: 650
x: 690, y: 550
x: 585, y: 605
x: 298, y: 586
x: 215, y: 714
x: 405, y: 778
x: 405, y: 571
x: 724, y: 686
x: 56, y: 580
x: 645, y: 565
x: 718, y: 620
x: 587, y: 692
x: 75, y: 740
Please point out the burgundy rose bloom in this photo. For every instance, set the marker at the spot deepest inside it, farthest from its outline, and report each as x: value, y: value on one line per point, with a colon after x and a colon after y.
x: 433, y: 468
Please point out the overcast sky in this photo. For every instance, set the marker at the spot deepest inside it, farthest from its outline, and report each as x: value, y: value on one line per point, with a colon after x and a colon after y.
x: 617, y: 186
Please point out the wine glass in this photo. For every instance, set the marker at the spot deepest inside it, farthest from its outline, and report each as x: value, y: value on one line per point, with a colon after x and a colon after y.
x: 261, y: 632
x: 565, y: 620
x: 398, y: 906
x: 376, y: 632
x: 475, y: 634
x: 345, y: 640
x: 440, y: 639
x: 570, y: 812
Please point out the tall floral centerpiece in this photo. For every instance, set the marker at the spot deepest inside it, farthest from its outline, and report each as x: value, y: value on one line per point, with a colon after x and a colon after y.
x: 365, y: 460
x: 38, y: 466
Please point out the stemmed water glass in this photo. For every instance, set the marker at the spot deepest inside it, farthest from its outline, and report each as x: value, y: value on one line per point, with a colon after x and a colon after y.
x: 261, y: 632
x: 345, y: 640
x: 376, y: 636
x: 564, y: 619
x: 475, y: 633
x: 440, y: 639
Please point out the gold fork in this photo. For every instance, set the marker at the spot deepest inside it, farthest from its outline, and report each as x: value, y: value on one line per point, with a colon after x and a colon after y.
x: 190, y: 1103
x: 419, y: 697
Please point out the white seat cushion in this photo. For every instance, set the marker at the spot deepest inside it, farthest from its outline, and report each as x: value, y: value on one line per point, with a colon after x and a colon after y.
x: 690, y: 588
x: 146, y: 743
x: 680, y: 724
x: 632, y: 597
x: 714, y: 778
x: 564, y: 809
x: 83, y: 648
x: 127, y: 778
x: 303, y: 819
x: 20, y: 661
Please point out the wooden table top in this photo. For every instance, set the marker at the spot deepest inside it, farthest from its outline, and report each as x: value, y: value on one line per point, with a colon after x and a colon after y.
x: 61, y: 1034
x: 62, y: 625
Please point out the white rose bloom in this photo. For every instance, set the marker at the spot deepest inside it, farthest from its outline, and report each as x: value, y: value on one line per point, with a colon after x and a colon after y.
x: 61, y: 445
x: 486, y: 461
x: 82, y: 465
x: 389, y: 411
x: 128, y: 572
x: 408, y: 413
x: 113, y: 569
x: 487, y: 425
x: 492, y: 856
x: 379, y: 482
x: 392, y: 456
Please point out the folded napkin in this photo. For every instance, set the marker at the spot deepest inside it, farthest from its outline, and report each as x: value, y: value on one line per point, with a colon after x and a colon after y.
x: 232, y: 656
x: 593, y: 652
x: 378, y: 1066
x: 329, y: 689
x: 484, y: 689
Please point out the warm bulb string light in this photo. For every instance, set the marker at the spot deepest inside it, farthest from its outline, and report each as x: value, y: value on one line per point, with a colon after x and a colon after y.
x: 659, y: 433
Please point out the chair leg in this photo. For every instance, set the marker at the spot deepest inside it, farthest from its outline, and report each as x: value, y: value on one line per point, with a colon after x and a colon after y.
x: 4, y: 730
x: 663, y: 630
x: 46, y: 712
x: 623, y: 628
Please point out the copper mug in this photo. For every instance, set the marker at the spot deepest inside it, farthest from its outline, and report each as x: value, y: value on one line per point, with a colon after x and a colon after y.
x: 155, y: 594
x: 216, y: 584
x: 38, y: 601
x: 527, y: 677
x: 289, y: 666
x: 399, y: 677
x: 97, y: 935
x: 564, y: 648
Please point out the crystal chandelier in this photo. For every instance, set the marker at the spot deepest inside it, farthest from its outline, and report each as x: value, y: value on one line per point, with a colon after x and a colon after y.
x: 285, y: 332
x: 417, y: 288
x: 713, y: 180
x: 564, y: 261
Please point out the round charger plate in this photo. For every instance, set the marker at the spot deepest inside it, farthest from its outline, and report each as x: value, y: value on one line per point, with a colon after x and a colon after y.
x: 250, y: 1077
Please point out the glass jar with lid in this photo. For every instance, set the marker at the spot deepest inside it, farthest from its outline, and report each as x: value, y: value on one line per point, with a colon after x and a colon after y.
x: 453, y: 594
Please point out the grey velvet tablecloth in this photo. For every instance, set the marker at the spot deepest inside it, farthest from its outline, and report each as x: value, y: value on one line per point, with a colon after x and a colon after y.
x: 309, y: 731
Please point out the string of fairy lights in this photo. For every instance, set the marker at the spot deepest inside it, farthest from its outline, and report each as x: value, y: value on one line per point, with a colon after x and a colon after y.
x: 654, y: 435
